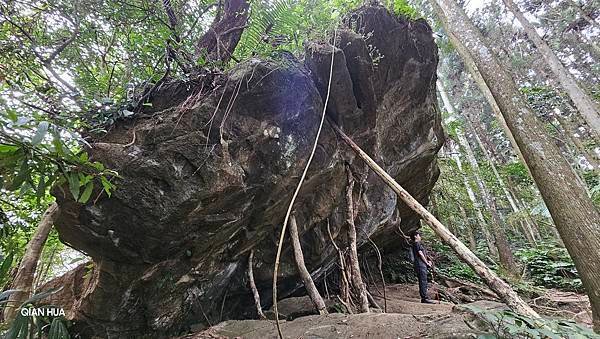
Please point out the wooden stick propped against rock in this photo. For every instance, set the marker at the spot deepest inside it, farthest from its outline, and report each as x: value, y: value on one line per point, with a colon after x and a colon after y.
x: 499, y: 286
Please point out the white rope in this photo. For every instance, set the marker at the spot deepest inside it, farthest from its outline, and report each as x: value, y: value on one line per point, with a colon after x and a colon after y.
x: 289, y: 210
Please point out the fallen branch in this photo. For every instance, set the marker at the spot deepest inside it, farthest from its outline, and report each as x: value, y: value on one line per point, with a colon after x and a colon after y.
x: 348, y: 308
x: 372, y: 301
x: 452, y: 282
x: 255, y: 294
x: 309, y: 284
x: 500, y: 287
x: 380, y: 267
x: 344, y: 289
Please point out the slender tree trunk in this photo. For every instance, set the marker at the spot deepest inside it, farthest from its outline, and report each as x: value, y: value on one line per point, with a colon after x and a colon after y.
x: 504, y: 252
x: 309, y: 284
x: 477, y: 206
x: 501, y: 288
x: 592, y: 159
x: 223, y: 35
x: 535, y: 228
x: 526, y: 229
x: 255, y: 294
x: 23, y: 282
x: 470, y: 64
x: 356, y: 277
x: 470, y: 235
x: 498, y: 228
x: 572, y: 210
x: 584, y: 15
x: 585, y: 105
x: 456, y: 155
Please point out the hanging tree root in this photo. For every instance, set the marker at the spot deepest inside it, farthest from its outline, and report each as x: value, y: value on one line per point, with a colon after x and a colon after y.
x: 372, y: 301
x: 309, y: 284
x: 500, y: 287
x: 344, y: 289
x: 261, y: 315
x: 356, y: 278
x: 380, y: 267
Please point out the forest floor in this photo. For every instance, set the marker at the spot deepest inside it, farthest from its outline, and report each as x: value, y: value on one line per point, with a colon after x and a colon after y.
x: 406, y: 317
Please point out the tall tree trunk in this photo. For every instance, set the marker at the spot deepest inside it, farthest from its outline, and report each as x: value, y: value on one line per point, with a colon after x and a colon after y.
x: 470, y: 235
x: 574, y: 214
x: 223, y: 35
x: 568, y: 129
x: 585, y: 105
x: 477, y: 206
x: 526, y: 228
x: 505, y: 254
x: 474, y: 71
x: 23, y: 282
x: 535, y: 228
x: 501, y: 288
x: 309, y: 284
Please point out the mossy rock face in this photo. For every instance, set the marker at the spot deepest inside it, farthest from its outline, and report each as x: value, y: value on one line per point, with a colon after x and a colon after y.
x: 214, y: 163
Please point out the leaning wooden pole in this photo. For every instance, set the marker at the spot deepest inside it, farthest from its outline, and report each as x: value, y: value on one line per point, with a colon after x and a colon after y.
x: 501, y: 288
x: 23, y: 283
x: 309, y: 284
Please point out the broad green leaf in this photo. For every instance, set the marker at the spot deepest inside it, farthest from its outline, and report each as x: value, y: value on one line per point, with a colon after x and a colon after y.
x: 41, y: 188
x: 60, y: 329
x: 73, y: 179
x: 24, y: 189
x: 57, y: 143
x: 12, y: 115
x: 5, y: 266
x: 20, y: 177
x: 8, y: 148
x: 87, y: 192
x: 106, y: 185
x: 98, y: 165
x: 42, y: 129
x: 18, y: 328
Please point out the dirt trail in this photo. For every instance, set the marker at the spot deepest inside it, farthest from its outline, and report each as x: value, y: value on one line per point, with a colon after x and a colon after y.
x: 406, y: 317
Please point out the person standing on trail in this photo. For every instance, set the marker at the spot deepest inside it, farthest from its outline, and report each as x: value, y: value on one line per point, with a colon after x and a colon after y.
x: 421, y: 264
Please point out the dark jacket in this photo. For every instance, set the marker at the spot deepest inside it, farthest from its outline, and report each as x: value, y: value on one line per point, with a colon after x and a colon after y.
x: 419, y: 263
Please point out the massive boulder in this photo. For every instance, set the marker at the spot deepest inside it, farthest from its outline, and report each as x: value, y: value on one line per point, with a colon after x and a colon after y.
x: 207, y: 172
